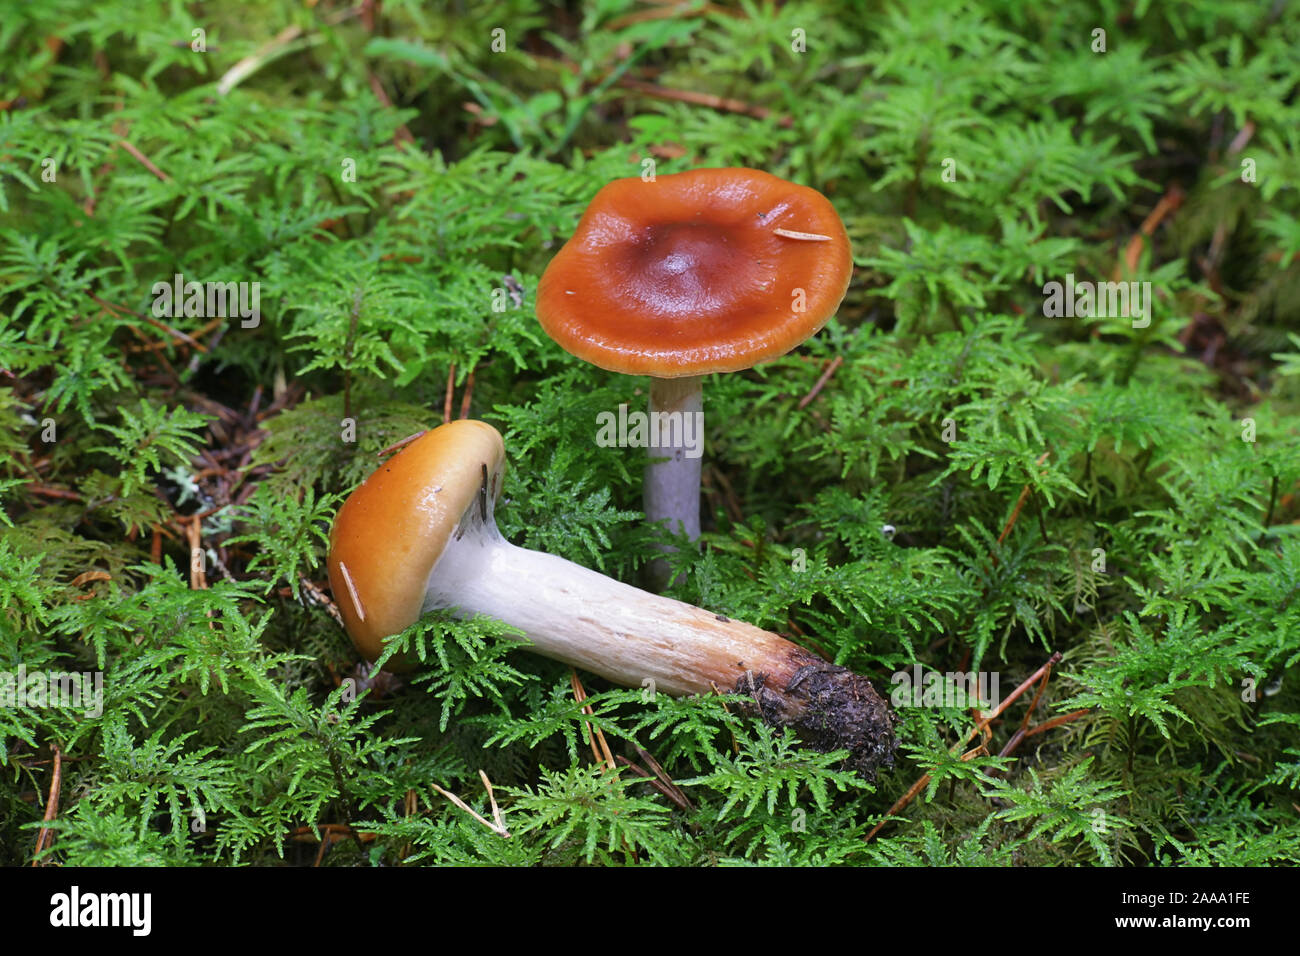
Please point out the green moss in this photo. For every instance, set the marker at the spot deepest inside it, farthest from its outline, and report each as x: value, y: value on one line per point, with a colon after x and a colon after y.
x: 975, y: 151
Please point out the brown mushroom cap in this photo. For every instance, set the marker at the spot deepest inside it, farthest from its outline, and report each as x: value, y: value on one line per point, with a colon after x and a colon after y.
x: 687, y: 275
x: 393, y: 528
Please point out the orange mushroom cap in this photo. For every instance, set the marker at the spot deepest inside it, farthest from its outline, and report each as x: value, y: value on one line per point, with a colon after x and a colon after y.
x: 391, y: 531
x: 711, y: 270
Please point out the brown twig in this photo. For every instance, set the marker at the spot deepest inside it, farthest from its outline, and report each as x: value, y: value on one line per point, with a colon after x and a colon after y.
x: 469, y: 394
x: 1015, y: 512
x: 1018, y: 737
x: 701, y: 99
x: 194, y: 534
x: 642, y: 772
x: 189, y: 340
x: 451, y: 392
x: 1167, y: 205
x: 144, y: 160
x: 47, y: 492
x: 912, y: 791
x: 45, y: 835
x: 157, y: 353
x: 1242, y: 138
x: 1057, y: 721
x: 602, y: 754
x: 402, y: 135
x: 669, y: 788
x: 400, y: 443
x: 821, y: 382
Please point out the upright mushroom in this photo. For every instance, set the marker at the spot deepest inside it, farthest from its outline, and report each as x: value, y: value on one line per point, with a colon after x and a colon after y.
x: 419, y: 534
x: 711, y: 270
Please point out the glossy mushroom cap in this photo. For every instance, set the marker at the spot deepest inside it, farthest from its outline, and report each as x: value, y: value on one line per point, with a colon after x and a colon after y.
x: 393, y: 528
x: 690, y: 274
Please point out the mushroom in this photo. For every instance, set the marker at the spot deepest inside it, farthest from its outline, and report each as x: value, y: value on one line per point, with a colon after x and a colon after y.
x: 711, y: 270
x: 419, y: 534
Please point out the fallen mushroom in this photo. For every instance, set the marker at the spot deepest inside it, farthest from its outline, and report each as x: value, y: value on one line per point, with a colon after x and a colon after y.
x: 419, y: 534
x: 711, y: 270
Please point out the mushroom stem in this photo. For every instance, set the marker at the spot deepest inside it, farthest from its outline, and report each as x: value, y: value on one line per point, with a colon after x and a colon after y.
x: 637, y: 639
x: 672, y: 486
x: 419, y: 534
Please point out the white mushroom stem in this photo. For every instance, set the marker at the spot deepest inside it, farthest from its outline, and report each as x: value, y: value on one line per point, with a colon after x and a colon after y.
x: 672, y: 485
x: 637, y: 639
x: 578, y: 616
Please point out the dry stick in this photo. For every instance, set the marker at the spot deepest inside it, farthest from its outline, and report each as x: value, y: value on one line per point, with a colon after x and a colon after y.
x: 821, y: 382
x: 451, y: 391
x: 649, y: 778
x: 593, y: 733
x: 579, y: 696
x: 156, y: 353
x: 144, y: 160
x: 51, y: 804
x: 400, y: 443
x: 1242, y: 138
x: 189, y: 340
x: 249, y: 64
x: 906, y: 798
x: 1168, y: 204
x: 492, y: 801
x: 333, y: 833
x: 324, y: 845
x: 137, y: 349
x: 1057, y: 721
x: 402, y: 134
x: 469, y: 394
x: 1019, y: 735
x: 701, y: 99
x: 273, y: 48
x: 1038, y: 695
x: 305, y: 834
x: 1015, y: 512
x: 198, y: 578
x: 673, y: 792
x: 87, y: 577
x: 496, y: 828
x: 47, y: 492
